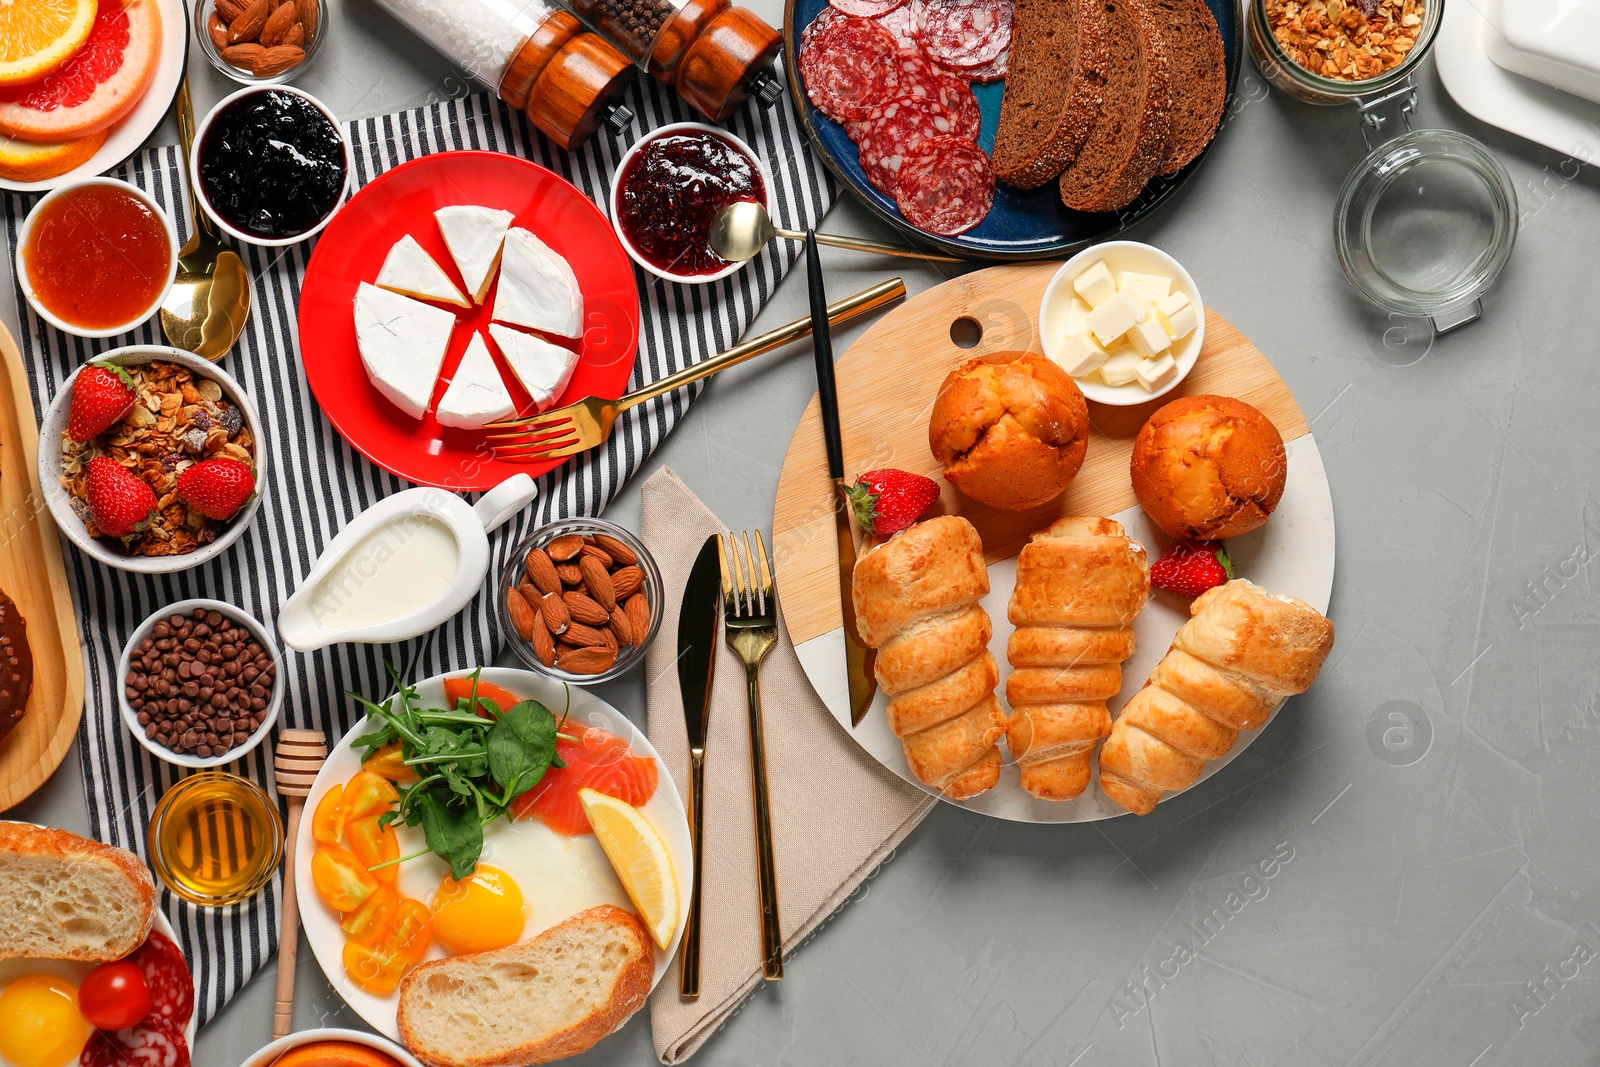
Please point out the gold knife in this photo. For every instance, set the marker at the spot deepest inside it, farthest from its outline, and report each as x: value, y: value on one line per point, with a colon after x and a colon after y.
x: 859, y: 659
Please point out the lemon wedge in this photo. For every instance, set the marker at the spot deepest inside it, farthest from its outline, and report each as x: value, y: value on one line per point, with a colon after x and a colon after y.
x: 639, y: 857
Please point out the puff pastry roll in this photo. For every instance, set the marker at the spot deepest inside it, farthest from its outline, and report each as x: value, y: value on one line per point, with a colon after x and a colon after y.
x: 916, y: 598
x: 1080, y: 584
x: 1241, y: 654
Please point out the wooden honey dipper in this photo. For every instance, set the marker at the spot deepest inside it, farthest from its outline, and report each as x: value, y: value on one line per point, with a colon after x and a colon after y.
x: 299, y: 757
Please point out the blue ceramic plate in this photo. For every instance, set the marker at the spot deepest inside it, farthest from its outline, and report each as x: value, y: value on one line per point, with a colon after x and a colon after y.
x: 1024, y: 224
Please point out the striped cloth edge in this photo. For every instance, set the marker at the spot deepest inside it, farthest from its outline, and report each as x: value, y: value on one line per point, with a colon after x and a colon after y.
x: 317, y: 483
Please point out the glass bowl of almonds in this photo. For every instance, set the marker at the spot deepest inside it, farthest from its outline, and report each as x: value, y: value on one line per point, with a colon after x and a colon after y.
x: 580, y: 601
x: 260, y: 42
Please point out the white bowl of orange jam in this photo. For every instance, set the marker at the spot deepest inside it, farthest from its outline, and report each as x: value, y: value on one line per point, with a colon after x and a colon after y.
x: 97, y: 258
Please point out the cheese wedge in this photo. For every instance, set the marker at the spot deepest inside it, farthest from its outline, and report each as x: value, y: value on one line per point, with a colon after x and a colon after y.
x: 477, y: 395
x: 474, y: 236
x: 410, y: 271
x: 545, y: 370
x: 402, y: 342
x: 537, y: 288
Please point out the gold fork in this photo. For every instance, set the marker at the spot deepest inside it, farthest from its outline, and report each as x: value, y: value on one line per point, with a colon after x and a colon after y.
x: 750, y: 614
x: 566, y: 431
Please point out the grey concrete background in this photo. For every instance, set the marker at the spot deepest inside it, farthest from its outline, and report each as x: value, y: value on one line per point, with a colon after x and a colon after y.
x: 1403, y: 869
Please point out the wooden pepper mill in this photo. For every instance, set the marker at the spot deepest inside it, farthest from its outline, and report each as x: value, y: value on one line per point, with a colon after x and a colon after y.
x: 565, y: 79
x: 299, y: 757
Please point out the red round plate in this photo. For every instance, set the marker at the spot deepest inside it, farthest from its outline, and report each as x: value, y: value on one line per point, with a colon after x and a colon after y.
x: 402, y: 201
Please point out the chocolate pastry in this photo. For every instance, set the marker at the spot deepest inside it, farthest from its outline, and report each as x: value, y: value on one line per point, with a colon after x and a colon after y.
x: 16, y: 665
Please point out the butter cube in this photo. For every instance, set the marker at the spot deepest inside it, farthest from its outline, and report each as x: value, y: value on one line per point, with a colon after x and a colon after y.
x: 1122, y: 368
x: 1081, y: 355
x: 1154, y: 373
x: 1077, y: 318
x: 1149, y: 338
x: 1152, y: 287
x: 1177, y: 316
x: 1110, y: 320
x: 1096, y: 284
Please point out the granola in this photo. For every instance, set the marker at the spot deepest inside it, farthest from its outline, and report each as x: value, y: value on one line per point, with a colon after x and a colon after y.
x: 1347, y: 40
x: 176, y: 421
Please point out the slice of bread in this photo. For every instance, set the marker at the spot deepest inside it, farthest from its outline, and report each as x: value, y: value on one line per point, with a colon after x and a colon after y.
x: 1128, y: 144
x: 1199, y: 77
x: 1055, y: 76
x: 69, y: 898
x: 533, y: 1002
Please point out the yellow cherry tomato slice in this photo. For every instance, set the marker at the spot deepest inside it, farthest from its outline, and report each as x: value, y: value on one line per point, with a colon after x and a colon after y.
x: 389, y: 762
x: 374, y: 844
x: 372, y: 920
x: 327, y: 824
x: 368, y: 794
x: 341, y: 880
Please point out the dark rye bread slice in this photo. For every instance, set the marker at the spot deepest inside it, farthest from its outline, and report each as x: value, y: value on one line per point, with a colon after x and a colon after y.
x: 1128, y: 144
x: 1057, y: 69
x: 1199, y: 77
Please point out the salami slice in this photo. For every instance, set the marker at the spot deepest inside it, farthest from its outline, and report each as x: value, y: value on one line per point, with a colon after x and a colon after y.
x: 963, y: 33
x: 166, y: 972
x: 849, y: 68
x: 945, y: 186
x: 867, y: 9
x: 899, y: 127
x: 902, y: 25
x: 920, y: 78
x: 153, y: 1043
x: 991, y: 71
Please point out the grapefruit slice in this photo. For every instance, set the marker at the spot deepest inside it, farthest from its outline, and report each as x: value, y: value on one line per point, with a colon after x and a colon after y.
x: 103, y: 82
x: 28, y: 161
x: 38, y: 36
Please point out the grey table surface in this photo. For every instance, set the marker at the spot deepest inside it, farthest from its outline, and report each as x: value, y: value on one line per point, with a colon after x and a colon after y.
x: 1403, y: 869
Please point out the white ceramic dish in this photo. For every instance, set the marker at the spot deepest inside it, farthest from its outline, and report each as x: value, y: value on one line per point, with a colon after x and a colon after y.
x: 1292, y: 554
x: 1549, y: 40
x: 616, y: 186
x: 60, y: 504
x: 583, y: 878
x: 268, y: 1056
x: 130, y: 717
x: 205, y: 202
x: 74, y: 972
x: 25, y: 234
x: 301, y: 619
x: 129, y: 135
x: 1536, y: 110
x: 1120, y: 256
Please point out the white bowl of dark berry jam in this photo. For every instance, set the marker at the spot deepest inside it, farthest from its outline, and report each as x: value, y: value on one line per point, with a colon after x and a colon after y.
x: 271, y: 165
x: 669, y: 187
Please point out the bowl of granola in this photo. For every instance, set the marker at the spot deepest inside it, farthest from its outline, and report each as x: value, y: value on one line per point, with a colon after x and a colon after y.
x: 149, y: 458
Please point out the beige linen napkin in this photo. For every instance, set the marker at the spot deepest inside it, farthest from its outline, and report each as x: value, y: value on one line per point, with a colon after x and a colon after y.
x: 836, y: 813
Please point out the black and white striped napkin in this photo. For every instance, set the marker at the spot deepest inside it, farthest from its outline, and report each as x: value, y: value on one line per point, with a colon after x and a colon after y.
x: 317, y: 483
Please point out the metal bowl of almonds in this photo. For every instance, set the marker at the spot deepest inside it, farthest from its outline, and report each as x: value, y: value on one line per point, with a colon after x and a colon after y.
x: 580, y: 600
x: 260, y: 42
x: 155, y: 469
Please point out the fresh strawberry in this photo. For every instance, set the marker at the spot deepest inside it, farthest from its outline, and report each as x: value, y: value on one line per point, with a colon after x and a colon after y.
x: 887, y: 501
x: 217, y: 488
x: 101, y: 394
x: 1189, y: 568
x: 119, y: 503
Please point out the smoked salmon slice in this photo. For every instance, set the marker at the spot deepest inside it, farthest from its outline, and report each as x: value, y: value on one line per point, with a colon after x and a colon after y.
x: 596, y: 760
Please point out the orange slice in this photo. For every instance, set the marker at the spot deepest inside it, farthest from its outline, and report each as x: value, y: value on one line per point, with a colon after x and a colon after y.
x: 24, y: 161
x: 38, y: 36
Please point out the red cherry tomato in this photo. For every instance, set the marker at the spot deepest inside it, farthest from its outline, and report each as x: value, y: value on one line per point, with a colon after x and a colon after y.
x: 114, y: 996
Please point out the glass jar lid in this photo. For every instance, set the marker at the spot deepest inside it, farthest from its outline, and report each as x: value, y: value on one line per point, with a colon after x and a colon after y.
x: 1425, y: 224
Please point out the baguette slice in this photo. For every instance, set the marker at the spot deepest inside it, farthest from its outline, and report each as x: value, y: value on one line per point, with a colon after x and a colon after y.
x: 533, y: 1002
x: 1128, y: 144
x: 1199, y: 77
x: 1057, y: 72
x: 69, y: 898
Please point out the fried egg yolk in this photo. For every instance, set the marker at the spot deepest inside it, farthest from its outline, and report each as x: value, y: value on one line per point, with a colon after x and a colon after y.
x: 39, y: 1022
x: 480, y: 913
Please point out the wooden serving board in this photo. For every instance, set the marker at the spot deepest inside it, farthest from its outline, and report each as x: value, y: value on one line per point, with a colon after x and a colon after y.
x: 33, y: 574
x: 887, y: 383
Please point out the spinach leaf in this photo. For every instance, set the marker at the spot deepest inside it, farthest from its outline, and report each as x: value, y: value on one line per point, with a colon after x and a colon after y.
x: 520, y: 746
x: 455, y: 836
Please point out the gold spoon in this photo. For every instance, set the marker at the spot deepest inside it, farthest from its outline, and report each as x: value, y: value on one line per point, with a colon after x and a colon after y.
x: 743, y: 229
x: 210, y: 299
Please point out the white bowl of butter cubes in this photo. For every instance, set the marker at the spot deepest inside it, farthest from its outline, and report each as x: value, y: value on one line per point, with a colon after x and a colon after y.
x: 1125, y: 320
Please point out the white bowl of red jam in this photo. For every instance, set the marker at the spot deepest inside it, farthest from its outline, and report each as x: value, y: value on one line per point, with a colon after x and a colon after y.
x: 271, y: 165
x: 97, y: 257
x: 669, y: 187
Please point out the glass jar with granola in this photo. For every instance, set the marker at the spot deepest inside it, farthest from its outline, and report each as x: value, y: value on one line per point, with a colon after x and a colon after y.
x: 1334, y: 51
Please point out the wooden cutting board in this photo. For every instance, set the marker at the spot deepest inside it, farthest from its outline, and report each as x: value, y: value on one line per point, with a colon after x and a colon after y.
x: 887, y: 383
x: 33, y: 574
